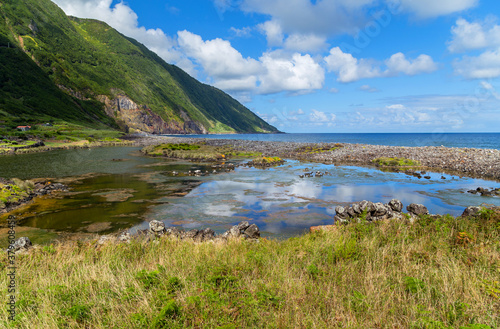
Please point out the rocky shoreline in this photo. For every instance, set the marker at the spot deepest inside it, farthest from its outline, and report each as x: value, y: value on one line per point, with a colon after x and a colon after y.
x: 470, y: 162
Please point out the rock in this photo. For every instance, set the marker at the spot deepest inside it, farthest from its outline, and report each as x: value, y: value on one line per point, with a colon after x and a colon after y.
x: 174, y: 231
x: 157, y: 227
x: 356, y: 208
x: 243, y: 225
x: 191, y: 234
x: 351, y: 212
x: 124, y: 237
x: 207, y: 234
x: 342, y: 220
x: 471, y: 211
x: 380, y: 210
x: 396, y: 205
x: 20, y: 245
x: 341, y: 212
x: 417, y: 209
x: 252, y: 232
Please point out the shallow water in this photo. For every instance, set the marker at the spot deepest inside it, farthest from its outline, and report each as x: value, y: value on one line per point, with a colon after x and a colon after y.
x: 125, y: 193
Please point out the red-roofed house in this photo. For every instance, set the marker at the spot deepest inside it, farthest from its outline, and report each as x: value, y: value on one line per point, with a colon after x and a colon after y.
x: 24, y: 128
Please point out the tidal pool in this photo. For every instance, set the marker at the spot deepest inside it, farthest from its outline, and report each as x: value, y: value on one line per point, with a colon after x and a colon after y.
x: 122, y: 189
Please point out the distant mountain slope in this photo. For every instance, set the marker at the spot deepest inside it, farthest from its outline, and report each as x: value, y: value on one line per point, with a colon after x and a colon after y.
x: 99, y: 71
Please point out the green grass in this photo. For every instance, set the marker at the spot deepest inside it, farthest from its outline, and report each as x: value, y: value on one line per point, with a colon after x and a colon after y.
x: 381, y: 275
x: 195, y: 152
x: 396, y: 162
x: 14, y: 191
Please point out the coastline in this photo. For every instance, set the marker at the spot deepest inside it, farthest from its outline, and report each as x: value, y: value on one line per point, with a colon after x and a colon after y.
x: 470, y: 162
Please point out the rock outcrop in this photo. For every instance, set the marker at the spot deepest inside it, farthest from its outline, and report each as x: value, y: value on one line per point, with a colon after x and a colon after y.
x: 133, y: 117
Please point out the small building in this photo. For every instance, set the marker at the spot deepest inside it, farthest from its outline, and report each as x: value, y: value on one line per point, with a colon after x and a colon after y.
x: 24, y: 128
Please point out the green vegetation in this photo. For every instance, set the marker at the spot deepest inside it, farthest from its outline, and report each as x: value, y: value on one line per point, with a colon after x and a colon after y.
x: 433, y: 273
x: 195, y: 152
x: 318, y: 148
x: 14, y: 191
x: 54, y: 66
x: 267, y: 161
x: 395, y: 162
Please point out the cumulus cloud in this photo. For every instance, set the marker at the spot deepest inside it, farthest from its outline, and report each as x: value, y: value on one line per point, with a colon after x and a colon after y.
x: 273, y: 32
x: 349, y: 69
x: 321, y: 117
x: 476, y: 35
x: 305, y: 17
x: 484, y: 66
x: 431, y: 8
x: 289, y: 73
x: 218, y: 58
x: 305, y: 43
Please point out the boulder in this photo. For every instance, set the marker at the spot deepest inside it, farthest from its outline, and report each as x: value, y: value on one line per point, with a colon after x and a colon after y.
x: 252, y: 232
x: 207, y: 234
x: 341, y: 212
x: 191, y: 234
x: 243, y: 225
x: 20, y: 245
x: 380, y: 210
x: 342, y: 220
x: 157, y: 227
x: 396, y: 205
x: 417, y: 209
x: 471, y: 211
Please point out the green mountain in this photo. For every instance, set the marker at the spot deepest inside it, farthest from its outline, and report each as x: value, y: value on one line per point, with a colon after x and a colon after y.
x: 84, y: 71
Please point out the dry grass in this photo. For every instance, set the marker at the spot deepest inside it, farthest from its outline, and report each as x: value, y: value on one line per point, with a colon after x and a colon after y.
x: 430, y: 274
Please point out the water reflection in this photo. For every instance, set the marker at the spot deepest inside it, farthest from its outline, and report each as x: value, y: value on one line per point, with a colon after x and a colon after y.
x: 134, y: 189
x: 283, y: 204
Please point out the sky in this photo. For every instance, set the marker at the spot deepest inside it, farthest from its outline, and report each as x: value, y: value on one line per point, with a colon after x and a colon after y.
x: 320, y: 66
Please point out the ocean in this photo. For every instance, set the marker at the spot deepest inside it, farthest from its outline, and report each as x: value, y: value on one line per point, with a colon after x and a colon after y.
x: 469, y: 140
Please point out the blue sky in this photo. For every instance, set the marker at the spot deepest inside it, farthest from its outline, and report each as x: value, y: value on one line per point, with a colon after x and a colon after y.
x: 330, y: 65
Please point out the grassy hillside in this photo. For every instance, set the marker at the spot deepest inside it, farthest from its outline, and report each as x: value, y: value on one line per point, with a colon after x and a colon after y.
x: 434, y: 273
x: 89, y: 58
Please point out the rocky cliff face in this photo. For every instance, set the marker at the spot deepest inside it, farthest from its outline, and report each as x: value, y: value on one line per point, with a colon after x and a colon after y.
x: 130, y: 116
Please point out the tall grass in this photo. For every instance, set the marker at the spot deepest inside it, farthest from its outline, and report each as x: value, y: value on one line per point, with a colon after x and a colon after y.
x: 434, y: 273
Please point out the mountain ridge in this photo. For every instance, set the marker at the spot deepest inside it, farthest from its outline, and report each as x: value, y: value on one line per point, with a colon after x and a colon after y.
x: 105, y: 75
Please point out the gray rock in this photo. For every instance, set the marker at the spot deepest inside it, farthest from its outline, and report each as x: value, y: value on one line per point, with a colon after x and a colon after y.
x: 191, y: 234
x: 351, y: 212
x: 471, y: 211
x: 356, y: 208
x: 174, y: 231
x: 380, y: 210
x: 21, y: 244
x: 341, y: 212
x: 342, y: 220
x: 417, y: 209
x: 252, y: 232
x: 207, y: 234
x: 157, y: 227
x: 396, y: 205
x: 243, y: 225
x: 124, y: 237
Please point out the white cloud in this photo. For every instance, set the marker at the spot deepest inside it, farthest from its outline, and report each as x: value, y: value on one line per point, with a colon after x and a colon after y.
x: 349, y: 69
x: 273, y: 33
x: 220, y: 61
x: 305, y: 43
x: 484, y: 66
x: 244, y: 32
x: 368, y: 88
x: 305, y: 17
x: 432, y: 8
x: 398, y: 63
x: 469, y: 36
x: 290, y: 73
